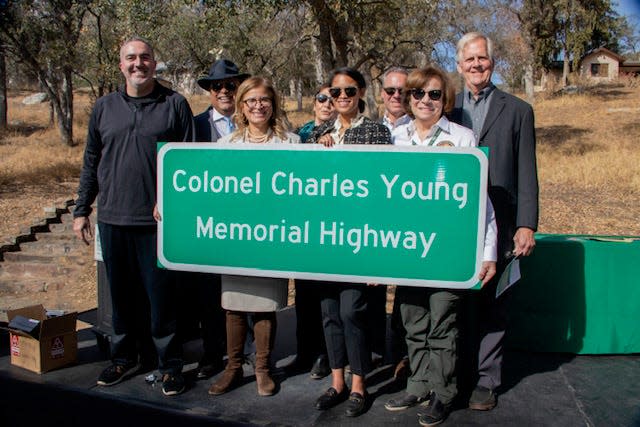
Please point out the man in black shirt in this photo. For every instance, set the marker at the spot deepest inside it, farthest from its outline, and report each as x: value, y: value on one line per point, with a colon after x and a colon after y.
x: 120, y: 170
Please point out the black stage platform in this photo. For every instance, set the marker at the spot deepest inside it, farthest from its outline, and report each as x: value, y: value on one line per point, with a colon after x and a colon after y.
x: 540, y: 389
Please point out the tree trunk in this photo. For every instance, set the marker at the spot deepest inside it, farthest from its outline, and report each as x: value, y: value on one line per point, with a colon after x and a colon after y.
x: 65, y: 116
x: 565, y: 70
x: 331, y: 30
x: 60, y: 100
x: 370, y: 96
x: 295, y: 91
x: 528, y: 82
x: 323, y: 56
x: 52, y: 113
x: 3, y: 90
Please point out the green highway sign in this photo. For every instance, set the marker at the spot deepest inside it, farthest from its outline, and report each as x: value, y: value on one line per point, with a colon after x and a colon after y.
x: 371, y: 214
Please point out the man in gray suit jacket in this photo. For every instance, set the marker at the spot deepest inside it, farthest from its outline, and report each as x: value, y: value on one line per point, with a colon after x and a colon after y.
x: 504, y: 124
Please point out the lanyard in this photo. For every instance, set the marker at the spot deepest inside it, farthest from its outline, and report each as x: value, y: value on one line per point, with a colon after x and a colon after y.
x: 433, y: 138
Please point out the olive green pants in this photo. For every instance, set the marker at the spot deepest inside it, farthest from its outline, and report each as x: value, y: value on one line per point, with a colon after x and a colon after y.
x: 429, y: 317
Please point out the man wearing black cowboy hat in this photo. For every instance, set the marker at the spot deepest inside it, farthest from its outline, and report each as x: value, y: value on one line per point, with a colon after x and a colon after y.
x: 221, y: 83
x: 203, y: 289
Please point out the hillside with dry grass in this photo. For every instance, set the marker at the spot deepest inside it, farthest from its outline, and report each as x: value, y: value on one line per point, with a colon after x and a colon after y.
x: 588, y: 163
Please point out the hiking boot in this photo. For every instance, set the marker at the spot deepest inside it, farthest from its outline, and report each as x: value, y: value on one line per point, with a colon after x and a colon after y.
x: 116, y: 373
x: 172, y: 384
x: 404, y: 402
x: 320, y: 368
x: 434, y: 413
x: 482, y: 399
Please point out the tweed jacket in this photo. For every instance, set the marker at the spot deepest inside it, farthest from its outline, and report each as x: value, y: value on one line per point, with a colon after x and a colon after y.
x: 368, y: 132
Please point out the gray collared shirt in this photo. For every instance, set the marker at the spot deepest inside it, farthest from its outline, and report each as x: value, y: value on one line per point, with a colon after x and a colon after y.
x: 475, y: 110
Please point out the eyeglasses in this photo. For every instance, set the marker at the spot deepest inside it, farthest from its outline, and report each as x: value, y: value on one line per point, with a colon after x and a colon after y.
x: 392, y: 90
x: 322, y: 98
x: 350, y: 91
x: 418, y: 94
x: 217, y: 86
x: 253, y: 102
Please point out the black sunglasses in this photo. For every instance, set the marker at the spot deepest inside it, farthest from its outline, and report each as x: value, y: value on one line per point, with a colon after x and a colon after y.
x: 230, y: 86
x: 350, y: 91
x: 418, y: 94
x: 322, y: 98
x: 392, y: 90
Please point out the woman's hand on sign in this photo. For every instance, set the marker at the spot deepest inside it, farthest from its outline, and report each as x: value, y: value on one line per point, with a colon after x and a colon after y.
x: 326, y: 140
x: 487, y: 271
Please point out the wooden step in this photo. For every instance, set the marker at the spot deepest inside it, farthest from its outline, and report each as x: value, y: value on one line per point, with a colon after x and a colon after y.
x: 63, y: 259
x: 30, y: 269
x: 56, y: 237
x: 57, y: 248
x: 31, y: 284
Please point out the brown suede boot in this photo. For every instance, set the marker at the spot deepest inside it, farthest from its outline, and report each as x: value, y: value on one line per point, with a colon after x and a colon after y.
x: 264, y: 330
x: 236, y: 334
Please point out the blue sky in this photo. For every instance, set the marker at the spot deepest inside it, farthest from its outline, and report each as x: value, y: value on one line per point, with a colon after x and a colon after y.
x: 629, y: 7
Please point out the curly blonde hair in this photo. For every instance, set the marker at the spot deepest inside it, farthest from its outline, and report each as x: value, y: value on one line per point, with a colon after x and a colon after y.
x: 276, y: 122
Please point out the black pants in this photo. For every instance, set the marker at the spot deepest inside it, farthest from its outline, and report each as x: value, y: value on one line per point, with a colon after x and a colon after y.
x: 142, y: 296
x: 309, y: 330
x: 344, y: 316
x: 201, y: 313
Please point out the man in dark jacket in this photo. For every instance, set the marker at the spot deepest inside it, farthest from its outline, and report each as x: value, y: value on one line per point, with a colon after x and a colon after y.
x: 120, y: 170
x: 221, y: 83
x: 504, y: 124
x: 204, y: 288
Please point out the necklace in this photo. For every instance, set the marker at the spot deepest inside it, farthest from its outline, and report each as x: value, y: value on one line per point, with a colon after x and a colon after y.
x: 257, y: 138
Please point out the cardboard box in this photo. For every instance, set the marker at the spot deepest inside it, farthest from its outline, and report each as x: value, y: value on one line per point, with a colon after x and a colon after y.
x: 55, y: 344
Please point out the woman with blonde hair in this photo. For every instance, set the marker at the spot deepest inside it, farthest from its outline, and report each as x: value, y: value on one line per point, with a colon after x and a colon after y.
x: 259, y: 117
x: 258, y: 120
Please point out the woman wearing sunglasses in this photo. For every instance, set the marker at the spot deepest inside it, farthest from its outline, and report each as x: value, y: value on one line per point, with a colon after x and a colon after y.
x: 344, y: 305
x: 323, y: 111
x: 429, y: 315
x: 259, y: 120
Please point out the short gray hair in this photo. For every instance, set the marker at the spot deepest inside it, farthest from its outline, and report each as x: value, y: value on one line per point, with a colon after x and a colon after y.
x: 469, y: 37
x: 391, y: 70
x: 141, y: 40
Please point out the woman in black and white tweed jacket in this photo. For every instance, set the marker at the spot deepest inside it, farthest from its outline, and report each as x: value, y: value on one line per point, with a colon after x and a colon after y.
x: 350, y: 126
x: 344, y: 305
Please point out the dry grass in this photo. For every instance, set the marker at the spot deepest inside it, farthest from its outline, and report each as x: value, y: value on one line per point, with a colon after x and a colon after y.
x: 588, y: 152
x: 588, y: 157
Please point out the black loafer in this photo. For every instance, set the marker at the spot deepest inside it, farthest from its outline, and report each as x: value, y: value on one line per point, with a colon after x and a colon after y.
x: 356, y: 405
x: 331, y: 398
x: 320, y: 368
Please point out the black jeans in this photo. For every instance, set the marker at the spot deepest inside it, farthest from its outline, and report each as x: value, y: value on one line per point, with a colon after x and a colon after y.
x: 344, y: 317
x: 142, y: 296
